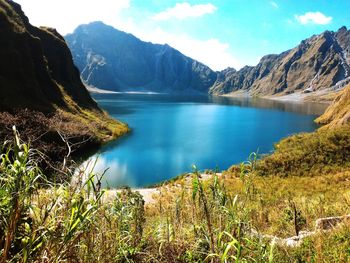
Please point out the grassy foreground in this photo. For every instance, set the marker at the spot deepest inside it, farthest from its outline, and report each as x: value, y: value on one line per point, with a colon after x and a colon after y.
x: 192, y: 220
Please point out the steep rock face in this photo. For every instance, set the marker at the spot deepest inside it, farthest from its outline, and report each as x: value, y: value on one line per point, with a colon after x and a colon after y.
x: 338, y: 113
x: 317, y: 63
x: 36, y: 69
x: 113, y: 60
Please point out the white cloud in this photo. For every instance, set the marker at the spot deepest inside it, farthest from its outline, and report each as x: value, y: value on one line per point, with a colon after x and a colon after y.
x: 66, y: 15
x: 313, y: 18
x: 274, y: 4
x: 212, y: 52
x: 185, y: 10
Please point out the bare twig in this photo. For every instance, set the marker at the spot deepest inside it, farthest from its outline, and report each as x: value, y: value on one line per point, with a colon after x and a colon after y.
x: 66, y: 141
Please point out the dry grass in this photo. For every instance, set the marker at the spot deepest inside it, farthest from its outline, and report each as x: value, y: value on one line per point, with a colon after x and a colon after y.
x: 51, y: 133
x: 339, y: 112
x: 311, y: 154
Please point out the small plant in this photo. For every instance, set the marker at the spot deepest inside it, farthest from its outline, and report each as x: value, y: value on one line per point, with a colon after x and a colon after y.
x: 247, y: 175
x: 202, y: 199
x: 19, y: 176
x: 129, y: 214
x: 293, y: 214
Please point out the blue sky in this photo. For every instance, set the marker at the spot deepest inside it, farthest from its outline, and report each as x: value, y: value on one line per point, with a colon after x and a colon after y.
x: 219, y: 33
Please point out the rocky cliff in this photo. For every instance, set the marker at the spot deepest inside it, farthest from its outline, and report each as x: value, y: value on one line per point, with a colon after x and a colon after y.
x: 36, y: 69
x: 113, y: 60
x: 41, y: 91
x: 320, y: 62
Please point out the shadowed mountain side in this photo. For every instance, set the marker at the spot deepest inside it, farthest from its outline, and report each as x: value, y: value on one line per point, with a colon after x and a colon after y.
x: 114, y: 60
x: 37, y: 65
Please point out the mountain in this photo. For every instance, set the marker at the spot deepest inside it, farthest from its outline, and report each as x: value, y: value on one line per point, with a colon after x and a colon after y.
x: 114, y: 60
x: 318, y: 63
x: 338, y: 113
x: 41, y: 91
x: 36, y: 69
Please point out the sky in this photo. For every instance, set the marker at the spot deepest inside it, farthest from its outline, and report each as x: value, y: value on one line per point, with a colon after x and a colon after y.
x: 218, y: 33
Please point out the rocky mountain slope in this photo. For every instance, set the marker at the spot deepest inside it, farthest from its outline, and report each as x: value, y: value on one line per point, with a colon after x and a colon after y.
x: 320, y: 62
x: 41, y: 91
x: 113, y: 60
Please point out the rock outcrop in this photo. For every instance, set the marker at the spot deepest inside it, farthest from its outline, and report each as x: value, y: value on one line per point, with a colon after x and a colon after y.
x: 114, y: 60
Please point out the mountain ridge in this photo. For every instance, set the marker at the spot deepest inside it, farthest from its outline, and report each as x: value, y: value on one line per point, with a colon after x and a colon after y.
x: 111, y: 59
x: 317, y: 63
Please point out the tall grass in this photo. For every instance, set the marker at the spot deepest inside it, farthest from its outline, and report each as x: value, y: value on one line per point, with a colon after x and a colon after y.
x: 40, y: 221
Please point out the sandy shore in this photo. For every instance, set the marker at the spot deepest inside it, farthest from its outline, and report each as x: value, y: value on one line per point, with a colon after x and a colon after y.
x: 147, y: 193
x: 237, y: 94
x: 324, y: 96
x: 103, y: 91
x: 99, y: 91
x: 150, y: 194
x: 294, y: 97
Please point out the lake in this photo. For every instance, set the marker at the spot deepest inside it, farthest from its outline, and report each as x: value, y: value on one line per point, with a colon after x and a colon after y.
x: 171, y: 133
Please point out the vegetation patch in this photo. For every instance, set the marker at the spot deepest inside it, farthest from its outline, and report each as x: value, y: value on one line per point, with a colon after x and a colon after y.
x: 60, y: 136
x: 309, y: 154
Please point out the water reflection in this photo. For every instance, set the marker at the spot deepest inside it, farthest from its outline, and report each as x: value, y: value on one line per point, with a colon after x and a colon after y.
x: 310, y: 108
x: 117, y: 173
x: 170, y: 133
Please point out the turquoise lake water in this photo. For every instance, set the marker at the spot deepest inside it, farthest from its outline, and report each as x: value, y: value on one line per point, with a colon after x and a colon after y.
x: 170, y: 133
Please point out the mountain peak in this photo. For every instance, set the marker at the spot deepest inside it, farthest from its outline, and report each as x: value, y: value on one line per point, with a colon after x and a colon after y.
x: 342, y: 29
x: 95, y: 25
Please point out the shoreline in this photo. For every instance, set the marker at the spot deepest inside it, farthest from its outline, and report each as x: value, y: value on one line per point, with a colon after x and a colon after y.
x: 323, y: 97
x: 300, y: 97
x: 95, y: 90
